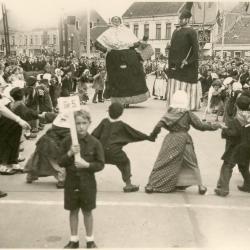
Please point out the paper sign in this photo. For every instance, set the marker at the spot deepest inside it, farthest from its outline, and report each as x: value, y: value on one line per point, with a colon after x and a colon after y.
x: 69, y: 104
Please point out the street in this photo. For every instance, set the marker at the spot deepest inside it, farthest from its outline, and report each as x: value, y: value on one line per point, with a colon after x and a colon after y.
x: 32, y: 215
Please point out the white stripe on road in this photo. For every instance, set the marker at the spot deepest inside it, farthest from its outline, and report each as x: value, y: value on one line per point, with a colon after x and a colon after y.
x: 131, y: 204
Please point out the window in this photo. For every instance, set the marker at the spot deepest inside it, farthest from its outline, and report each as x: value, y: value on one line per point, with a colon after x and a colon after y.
x: 158, y: 32
x: 168, y: 31
x: 146, y: 30
x: 31, y: 40
x: 237, y: 54
x: 136, y: 29
x: 127, y: 25
x: 26, y: 40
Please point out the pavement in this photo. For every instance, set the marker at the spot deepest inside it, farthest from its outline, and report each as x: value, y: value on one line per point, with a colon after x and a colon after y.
x: 32, y: 215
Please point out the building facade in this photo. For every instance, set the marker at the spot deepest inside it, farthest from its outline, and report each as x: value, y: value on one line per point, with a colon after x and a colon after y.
x: 52, y: 40
x: 158, y: 20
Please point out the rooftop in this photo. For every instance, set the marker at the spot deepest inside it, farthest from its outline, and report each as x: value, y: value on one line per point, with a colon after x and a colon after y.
x: 239, y: 33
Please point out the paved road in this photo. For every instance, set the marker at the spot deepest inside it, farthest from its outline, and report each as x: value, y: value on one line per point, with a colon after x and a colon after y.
x: 32, y: 216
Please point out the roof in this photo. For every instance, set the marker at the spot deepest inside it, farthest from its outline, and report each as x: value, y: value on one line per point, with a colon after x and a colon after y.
x: 149, y: 9
x: 239, y: 33
x: 145, y: 9
x: 97, y: 31
x: 241, y: 8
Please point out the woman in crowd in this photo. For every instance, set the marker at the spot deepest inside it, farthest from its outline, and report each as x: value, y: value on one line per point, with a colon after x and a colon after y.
x: 176, y: 166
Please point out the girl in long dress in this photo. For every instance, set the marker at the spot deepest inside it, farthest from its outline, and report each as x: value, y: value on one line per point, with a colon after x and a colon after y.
x: 176, y: 166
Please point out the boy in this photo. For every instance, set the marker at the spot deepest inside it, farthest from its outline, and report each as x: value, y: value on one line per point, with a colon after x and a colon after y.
x: 233, y: 136
x: 80, y: 183
x: 114, y: 135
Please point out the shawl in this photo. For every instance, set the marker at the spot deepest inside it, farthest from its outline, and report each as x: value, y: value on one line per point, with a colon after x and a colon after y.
x: 117, y: 38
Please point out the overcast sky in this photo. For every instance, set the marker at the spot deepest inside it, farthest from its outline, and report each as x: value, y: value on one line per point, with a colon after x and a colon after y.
x: 40, y: 13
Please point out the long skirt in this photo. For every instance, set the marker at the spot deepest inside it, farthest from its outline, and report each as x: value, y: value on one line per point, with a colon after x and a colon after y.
x: 131, y: 99
x: 126, y: 78
x: 176, y: 164
x: 193, y: 91
x: 159, y: 89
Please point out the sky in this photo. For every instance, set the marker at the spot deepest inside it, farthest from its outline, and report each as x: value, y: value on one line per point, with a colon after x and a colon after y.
x: 44, y: 13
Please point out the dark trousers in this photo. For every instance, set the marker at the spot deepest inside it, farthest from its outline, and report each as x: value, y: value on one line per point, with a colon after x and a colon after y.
x: 10, y: 135
x: 98, y: 93
x: 125, y: 170
x: 226, y: 174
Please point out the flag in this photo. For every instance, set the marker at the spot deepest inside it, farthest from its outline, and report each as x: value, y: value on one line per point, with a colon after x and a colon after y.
x: 246, y: 6
x: 219, y: 18
x: 199, y: 5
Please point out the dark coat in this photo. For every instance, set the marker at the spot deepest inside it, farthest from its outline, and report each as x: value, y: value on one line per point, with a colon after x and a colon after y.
x: 83, y: 179
x: 114, y: 136
x: 232, y: 134
x: 27, y: 114
x: 242, y: 155
x: 182, y: 40
x: 66, y: 87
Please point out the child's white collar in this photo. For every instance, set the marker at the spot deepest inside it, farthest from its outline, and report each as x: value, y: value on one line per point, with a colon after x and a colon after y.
x: 114, y: 120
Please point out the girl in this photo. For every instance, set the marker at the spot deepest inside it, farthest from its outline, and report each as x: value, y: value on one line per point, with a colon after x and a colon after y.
x: 176, y: 165
x: 82, y: 86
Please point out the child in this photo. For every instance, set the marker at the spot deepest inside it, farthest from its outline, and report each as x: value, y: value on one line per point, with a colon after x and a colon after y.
x: 215, y: 99
x: 98, y: 85
x: 19, y: 108
x: 176, y: 166
x: 160, y: 84
x: 44, y: 161
x: 114, y: 135
x: 83, y: 87
x: 233, y: 137
x: 80, y: 183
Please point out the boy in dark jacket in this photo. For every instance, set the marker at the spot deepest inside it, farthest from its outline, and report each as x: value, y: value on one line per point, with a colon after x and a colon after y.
x: 233, y: 136
x: 114, y: 135
x: 80, y: 184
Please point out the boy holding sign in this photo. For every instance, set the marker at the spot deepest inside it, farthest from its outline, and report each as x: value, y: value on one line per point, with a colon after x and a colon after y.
x: 80, y: 184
